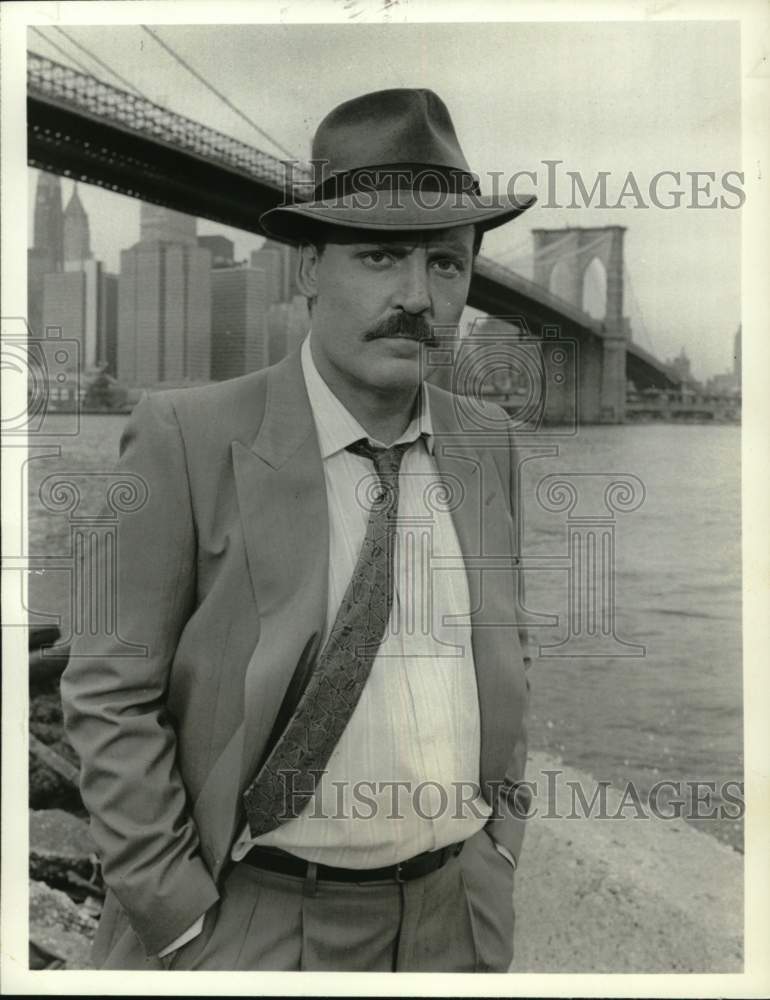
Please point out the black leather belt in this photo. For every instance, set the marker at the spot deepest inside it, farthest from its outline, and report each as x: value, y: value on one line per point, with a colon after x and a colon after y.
x: 275, y: 860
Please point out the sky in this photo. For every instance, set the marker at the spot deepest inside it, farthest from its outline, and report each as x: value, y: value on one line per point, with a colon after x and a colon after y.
x: 631, y: 97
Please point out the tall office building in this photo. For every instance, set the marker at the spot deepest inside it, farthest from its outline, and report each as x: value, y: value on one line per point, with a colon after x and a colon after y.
x: 164, y: 303
x: 46, y: 255
x: 287, y: 324
x: 221, y: 249
x: 77, y: 236
x: 69, y: 291
x: 239, y: 336
x: 108, y: 324
x: 287, y: 320
x: 279, y: 262
x: 77, y: 303
x: 157, y: 223
x: 37, y: 268
x: 49, y: 221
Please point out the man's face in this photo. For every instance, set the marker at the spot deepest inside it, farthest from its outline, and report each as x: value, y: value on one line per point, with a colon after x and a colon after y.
x: 378, y: 301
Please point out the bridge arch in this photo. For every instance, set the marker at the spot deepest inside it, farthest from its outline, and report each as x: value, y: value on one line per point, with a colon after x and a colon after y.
x: 594, y: 290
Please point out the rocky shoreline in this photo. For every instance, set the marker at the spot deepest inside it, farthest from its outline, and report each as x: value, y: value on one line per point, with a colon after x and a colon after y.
x: 66, y: 888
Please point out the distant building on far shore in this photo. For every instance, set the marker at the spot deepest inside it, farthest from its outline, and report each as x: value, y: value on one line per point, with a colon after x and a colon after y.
x: 279, y: 262
x: 46, y: 255
x: 77, y: 234
x: 221, y: 249
x: 287, y: 323
x: 68, y: 290
x: 164, y: 303
x: 287, y: 317
x: 239, y: 341
x: 49, y: 222
x: 729, y: 383
x: 83, y: 305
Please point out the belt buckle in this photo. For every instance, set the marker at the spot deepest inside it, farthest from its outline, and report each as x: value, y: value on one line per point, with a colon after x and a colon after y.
x: 399, y: 873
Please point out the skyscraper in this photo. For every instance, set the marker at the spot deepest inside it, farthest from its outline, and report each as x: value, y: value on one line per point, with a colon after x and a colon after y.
x: 164, y: 302
x: 49, y: 221
x: 165, y: 225
x: 239, y: 340
x: 77, y: 236
x: 222, y: 250
x: 287, y: 320
x: 279, y: 262
x: 108, y: 324
x: 82, y: 304
x: 46, y: 255
x: 287, y: 324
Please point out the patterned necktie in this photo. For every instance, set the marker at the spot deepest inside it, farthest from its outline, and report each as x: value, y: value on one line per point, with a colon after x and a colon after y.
x: 288, y: 778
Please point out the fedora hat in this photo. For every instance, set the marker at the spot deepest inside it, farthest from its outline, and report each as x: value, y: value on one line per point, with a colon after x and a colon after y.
x: 391, y: 161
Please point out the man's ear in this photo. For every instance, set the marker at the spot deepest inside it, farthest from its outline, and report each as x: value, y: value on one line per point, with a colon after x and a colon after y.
x: 307, y: 270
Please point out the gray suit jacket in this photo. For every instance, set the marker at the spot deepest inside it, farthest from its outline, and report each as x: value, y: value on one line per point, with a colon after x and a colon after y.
x: 222, y: 576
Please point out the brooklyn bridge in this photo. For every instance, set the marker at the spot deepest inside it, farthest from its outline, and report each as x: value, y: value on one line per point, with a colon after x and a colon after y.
x: 83, y: 128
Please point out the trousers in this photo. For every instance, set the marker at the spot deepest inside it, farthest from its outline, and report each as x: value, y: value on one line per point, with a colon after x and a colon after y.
x: 459, y: 918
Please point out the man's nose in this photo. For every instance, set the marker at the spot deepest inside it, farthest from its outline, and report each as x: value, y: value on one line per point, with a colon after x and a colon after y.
x: 414, y: 290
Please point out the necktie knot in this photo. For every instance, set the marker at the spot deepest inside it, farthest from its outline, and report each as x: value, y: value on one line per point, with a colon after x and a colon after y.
x: 387, y: 461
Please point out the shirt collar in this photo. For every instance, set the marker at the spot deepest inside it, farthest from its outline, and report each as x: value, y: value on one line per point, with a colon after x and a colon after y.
x: 337, y: 427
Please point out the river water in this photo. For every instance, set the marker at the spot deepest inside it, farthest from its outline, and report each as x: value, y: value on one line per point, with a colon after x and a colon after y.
x: 674, y: 712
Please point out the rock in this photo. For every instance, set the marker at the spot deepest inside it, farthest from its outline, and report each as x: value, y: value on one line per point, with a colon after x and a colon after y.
x: 53, y: 777
x: 60, y: 845
x: 60, y: 931
x: 45, y: 715
x: 47, y: 788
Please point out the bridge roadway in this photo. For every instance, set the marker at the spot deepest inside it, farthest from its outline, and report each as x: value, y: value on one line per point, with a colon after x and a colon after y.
x: 81, y: 127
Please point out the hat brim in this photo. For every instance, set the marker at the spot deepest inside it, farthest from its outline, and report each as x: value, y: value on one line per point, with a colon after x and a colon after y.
x: 396, y: 210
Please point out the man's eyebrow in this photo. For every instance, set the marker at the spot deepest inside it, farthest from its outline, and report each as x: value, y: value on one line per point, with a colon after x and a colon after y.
x: 457, y: 246
x: 403, y: 246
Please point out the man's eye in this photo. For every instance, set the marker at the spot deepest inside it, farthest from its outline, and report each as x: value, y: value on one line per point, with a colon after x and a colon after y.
x: 445, y: 265
x: 376, y: 258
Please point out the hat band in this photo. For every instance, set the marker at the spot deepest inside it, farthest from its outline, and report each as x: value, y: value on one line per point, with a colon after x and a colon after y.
x: 416, y: 177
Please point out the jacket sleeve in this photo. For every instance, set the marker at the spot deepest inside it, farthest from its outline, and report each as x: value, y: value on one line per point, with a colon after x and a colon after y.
x: 508, y: 828
x: 114, y: 696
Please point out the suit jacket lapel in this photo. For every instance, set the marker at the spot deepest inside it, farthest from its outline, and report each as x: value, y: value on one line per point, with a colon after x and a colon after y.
x: 284, y: 516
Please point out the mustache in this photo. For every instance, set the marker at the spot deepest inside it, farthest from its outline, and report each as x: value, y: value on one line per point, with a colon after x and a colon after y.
x: 402, y: 325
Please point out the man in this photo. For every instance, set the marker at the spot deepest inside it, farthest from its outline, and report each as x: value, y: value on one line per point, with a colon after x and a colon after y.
x: 317, y: 763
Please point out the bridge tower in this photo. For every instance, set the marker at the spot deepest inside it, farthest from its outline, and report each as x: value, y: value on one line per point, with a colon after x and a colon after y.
x: 584, y: 266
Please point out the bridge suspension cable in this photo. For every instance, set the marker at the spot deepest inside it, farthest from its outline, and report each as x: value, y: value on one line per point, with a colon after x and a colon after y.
x: 60, y: 50
x: 100, y: 62
x: 634, y: 304
x: 222, y: 97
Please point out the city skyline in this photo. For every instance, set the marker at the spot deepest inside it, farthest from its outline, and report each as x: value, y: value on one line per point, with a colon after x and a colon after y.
x: 181, y: 310
x: 580, y: 110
